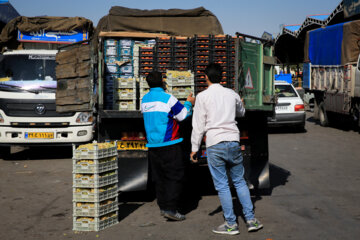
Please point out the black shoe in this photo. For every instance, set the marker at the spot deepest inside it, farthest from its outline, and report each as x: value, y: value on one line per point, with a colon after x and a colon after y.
x: 175, y: 216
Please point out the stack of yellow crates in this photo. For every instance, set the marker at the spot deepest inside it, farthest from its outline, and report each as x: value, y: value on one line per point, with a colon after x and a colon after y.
x: 95, y: 188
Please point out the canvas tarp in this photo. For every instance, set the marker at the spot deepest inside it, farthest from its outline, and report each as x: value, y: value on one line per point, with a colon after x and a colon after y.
x: 172, y: 21
x: 334, y: 45
x: 30, y: 24
x: 351, y: 42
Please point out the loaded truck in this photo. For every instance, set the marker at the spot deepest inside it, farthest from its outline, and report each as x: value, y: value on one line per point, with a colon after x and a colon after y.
x: 28, y: 115
x: 332, y: 71
x: 130, y: 43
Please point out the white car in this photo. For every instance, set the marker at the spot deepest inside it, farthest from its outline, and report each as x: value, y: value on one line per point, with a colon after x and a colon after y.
x: 289, y: 110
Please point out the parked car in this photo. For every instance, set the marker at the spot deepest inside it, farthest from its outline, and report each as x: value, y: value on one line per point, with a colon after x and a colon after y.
x: 289, y: 110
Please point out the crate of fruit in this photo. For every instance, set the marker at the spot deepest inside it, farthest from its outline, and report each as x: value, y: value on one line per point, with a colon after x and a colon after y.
x: 94, y: 180
x: 94, y: 194
x: 125, y: 82
x: 143, y: 83
x: 95, y: 223
x: 94, y: 165
x: 125, y: 93
x: 95, y: 150
x: 181, y: 92
x: 179, y: 78
x: 95, y: 209
x: 125, y: 105
x: 143, y: 91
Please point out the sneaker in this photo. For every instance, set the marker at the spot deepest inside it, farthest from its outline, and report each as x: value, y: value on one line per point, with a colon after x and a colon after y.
x: 227, y: 229
x: 162, y: 212
x: 253, y: 225
x: 175, y: 216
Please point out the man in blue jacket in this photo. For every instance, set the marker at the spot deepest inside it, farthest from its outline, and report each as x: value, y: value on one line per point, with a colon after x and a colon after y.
x: 161, y: 113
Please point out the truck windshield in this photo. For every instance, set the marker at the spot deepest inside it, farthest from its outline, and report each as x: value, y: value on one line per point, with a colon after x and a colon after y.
x: 27, y: 67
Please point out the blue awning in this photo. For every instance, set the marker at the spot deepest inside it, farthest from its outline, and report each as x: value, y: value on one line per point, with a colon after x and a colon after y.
x: 292, y: 28
x: 321, y: 17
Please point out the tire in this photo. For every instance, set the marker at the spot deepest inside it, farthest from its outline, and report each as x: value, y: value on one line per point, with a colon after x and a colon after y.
x: 5, y: 152
x: 323, y: 118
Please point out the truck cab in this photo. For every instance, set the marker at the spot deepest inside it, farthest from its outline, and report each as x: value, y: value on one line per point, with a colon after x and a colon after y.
x: 27, y: 103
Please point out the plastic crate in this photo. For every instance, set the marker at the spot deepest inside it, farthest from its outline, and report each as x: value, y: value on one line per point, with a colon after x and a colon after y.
x: 126, y: 43
x: 143, y: 83
x: 125, y: 51
x: 125, y: 93
x: 95, y: 209
x: 94, y: 194
x: 126, y: 69
x: 111, y: 42
x: 125, y: 82
x: 94, y: 180
x: 95, y: 153
x: 112, y: 68
x: 181, y: 92
x: 111, y: 51
x: 125, y: 105
x: 97, y: 224
x: 143, y: 92
x: 94, y: 166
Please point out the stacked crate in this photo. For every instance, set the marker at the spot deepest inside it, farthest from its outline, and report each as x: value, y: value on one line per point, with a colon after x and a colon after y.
x: 202, y: 56
x: 144, y: 87
x: 111, y: 69
x: 147, y: 60
x: 164, y: 54
x: 182, y: 54
x: 125, y: 93
x: 218, y: 49
x: 232, y: 57
x: 221, y: 55
x: 180, y: 84
x: 95, y: 177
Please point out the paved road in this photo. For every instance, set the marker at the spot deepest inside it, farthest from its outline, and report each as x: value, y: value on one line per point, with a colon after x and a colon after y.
x: 315, y: 195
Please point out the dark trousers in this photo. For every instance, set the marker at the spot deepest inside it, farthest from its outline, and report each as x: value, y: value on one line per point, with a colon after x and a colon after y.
x: 168, y: 173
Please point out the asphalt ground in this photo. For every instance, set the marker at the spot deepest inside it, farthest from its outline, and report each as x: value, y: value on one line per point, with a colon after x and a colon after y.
x: 315, y: 178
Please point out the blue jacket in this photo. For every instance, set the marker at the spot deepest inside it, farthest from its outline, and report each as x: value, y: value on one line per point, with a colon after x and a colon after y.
x: 162, y: 112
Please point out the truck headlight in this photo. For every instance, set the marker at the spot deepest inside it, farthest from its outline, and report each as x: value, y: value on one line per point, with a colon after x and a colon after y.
x: 84, y: 117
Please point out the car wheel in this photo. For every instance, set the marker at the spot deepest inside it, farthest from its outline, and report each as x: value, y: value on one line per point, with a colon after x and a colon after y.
x: 324, y: 121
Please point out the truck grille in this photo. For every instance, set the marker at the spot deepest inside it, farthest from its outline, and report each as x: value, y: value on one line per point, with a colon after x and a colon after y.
x: 31, y: 108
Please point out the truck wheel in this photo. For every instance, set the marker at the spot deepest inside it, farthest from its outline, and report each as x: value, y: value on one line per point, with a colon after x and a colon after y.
x: 323, y: 118
x: 5, y: 152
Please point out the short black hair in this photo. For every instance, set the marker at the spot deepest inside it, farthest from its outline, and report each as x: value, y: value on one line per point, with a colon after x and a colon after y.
x: 214, y: 72
x: 154, y: 79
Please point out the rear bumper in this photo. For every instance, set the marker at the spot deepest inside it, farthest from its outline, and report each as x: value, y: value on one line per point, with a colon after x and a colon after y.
x: 287, y: 119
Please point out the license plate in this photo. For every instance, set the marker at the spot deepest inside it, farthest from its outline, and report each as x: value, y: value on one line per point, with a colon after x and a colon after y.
x: 281, y: 108
x: 131, y: 145
x: 43, y: 135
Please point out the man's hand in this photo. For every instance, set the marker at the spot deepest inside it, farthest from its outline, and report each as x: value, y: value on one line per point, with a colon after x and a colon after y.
x: 191, y: 99
x: 192, y: 154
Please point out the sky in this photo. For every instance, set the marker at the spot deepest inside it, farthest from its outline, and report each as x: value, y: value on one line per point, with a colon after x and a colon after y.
x: 251, y: 17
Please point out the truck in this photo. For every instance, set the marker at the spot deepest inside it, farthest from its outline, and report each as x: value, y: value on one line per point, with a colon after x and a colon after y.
x: 130, y: 43
x: 331, y: 71
x: 28, y: 115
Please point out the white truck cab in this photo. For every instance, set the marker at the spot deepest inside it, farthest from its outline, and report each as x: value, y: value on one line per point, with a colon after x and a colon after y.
x: 27, y: 103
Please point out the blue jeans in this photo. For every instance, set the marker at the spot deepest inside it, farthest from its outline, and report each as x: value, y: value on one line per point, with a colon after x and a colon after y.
x: 223, y: 156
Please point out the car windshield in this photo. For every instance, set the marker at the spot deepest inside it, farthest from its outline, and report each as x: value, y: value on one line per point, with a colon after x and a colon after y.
x: 27, y: 67
x: 285, y: 91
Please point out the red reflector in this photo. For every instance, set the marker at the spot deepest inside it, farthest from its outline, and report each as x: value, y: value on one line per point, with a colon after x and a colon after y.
x: 299, y: 107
